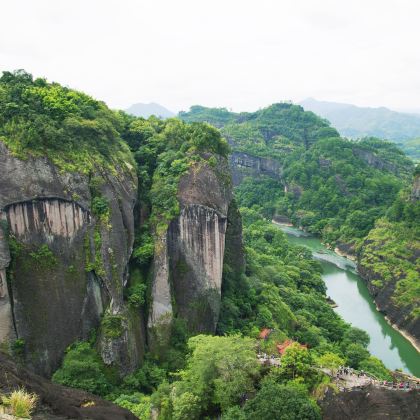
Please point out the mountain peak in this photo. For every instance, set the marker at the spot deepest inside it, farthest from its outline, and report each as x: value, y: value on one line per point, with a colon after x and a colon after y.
x: 145, y: 110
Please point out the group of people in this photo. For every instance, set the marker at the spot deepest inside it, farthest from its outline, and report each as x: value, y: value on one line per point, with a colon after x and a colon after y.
x: 401, y: 385
x: 343, y: 370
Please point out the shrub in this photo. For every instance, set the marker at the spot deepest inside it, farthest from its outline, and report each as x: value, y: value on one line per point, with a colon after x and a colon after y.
x: 21, y: 403
x: 83, y: 368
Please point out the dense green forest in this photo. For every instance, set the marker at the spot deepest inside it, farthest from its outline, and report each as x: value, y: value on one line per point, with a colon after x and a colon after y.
x: 279, y: 286
x: 335, y: 188
x: 390, y: 252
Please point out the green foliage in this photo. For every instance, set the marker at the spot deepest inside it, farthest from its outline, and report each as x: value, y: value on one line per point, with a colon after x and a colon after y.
x: 17, y: 348
x: 83, y: 368
x: 43, y: 258
x: 219, y: 371
x: 356, y: 336
x: 164, y: 151
x: 20, y: 403
x: 282, y: 402
x: 75, y: 131
x: 296, y: 363
x: 355, y: 354
x: 137, y: 403
x: 375, y: 367
x: 145, y: 379
x: 411, y: 148
x: 137, y: 295
x: 99, y: 206
x: 112, y: 326
x: 390, y: 254
x: 337, y: 188
x: 281, y: 289
x: 143, y: 253
x: 330, y: 361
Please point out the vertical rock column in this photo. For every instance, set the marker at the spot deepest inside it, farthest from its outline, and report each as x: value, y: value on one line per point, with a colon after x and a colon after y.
x: 6, y: 324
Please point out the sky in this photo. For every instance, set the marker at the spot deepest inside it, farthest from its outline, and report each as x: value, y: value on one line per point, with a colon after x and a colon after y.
x: 239, y: 54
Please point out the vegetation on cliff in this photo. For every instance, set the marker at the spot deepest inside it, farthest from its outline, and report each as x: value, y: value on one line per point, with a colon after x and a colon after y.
x: 390, y: 254
x: 77, y: 132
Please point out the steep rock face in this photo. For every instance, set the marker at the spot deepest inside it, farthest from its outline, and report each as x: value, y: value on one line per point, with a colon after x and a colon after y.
x: 189, y: 258
x: 415, y: 191
x: 372, y: 160
x: 243, y: 164
x: 67, y: 266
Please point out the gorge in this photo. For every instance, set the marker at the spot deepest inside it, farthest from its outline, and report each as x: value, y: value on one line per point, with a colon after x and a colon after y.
x: 138, y: 261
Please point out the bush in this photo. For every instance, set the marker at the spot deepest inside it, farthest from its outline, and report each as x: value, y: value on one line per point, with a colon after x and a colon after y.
x: 137, y: 403
x: 21, y: 403
x: 281, y: 402
x: 83, y: 368
x: 99, y: 206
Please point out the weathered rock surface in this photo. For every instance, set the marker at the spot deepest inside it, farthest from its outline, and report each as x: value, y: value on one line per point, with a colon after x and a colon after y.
x: 374, y: 161
x: 56, y: 401
x: 57, y: 294
x: 373, y: 404
x: 189, y: 258
x: 244, y: 164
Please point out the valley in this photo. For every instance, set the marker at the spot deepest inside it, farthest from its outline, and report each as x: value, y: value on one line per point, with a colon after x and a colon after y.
x: 354, y: 303
x: 139, y: 262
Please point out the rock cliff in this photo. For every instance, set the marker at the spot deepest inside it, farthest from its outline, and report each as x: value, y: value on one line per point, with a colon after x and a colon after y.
x: 243, y: 164
x: 61, y: 265
x: 189, y: 257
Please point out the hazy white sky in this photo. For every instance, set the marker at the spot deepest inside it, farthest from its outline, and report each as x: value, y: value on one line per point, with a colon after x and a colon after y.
x: 236, y: 53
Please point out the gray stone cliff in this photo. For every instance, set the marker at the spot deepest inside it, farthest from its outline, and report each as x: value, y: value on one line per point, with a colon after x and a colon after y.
x: 189, y: 258
x: 51, y: 293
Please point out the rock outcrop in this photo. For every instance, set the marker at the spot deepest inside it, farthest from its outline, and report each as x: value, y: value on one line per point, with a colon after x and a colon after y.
x: 68, y: 266
x: 56, y: 401
x: 371, y: 403
x: 189, y: 257
x: 375, y: 161
x: 244, y: 164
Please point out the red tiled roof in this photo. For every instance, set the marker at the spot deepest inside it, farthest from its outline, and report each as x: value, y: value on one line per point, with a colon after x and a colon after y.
x: 287, y: 343
x: 265, y: 332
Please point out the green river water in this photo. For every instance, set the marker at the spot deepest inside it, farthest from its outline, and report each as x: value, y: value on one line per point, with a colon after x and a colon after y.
x: 356, y: 306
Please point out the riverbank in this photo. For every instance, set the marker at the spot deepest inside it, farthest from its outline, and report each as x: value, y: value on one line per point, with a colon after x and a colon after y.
x: 405, y: 334
x: 356, y: 305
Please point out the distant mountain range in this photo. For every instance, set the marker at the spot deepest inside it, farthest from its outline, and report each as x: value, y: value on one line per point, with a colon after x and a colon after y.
x: 146, y: 110
x: 355, y: 122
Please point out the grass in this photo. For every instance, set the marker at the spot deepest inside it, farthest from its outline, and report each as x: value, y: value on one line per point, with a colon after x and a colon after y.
x: 20, y: 403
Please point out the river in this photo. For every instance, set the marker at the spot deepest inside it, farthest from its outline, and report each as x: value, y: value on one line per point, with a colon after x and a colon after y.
x: 357, y: 307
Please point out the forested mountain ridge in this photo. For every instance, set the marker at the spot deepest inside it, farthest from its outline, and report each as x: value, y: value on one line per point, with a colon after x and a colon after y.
x: 354, y: 194
x: 329, y: 182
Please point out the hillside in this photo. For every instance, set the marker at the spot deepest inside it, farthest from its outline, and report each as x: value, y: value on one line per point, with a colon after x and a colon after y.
x: 147, y: 110
x: 389, y: 260
x: 293, y: 167
x: 325, y: 183
x: 357, y: 122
